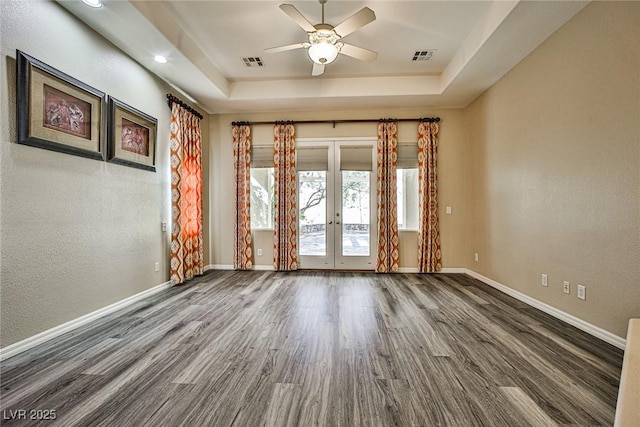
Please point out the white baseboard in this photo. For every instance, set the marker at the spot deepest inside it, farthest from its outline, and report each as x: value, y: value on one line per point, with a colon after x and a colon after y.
x: 230, y: 267
x: 263, y: 267
x: 587, y: 327
x: 453, y: 270
x: 26, y: 344
x: 443, y: 270
x: 408, y: 270
x: 270, y: 268
x: 218, y: 267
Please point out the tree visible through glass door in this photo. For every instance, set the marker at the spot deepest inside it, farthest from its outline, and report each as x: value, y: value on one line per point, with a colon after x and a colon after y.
x: 312, y: 209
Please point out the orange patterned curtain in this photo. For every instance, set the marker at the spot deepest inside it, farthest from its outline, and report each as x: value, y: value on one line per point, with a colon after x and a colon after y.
x: 429, y: 253
x: 285, y: 250
x: 186, y: 195
x: 387, y: 197
x: 242, y: 203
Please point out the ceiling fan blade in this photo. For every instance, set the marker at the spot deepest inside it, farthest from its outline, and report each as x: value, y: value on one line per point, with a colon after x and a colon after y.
x: 358, y: 52
x: 318, y: 69
x: 286, y: 47
x: 299, y: 18
x: 359, y: 20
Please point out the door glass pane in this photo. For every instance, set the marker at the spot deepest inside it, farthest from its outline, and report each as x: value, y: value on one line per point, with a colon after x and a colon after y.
x: 312, y: 209
x: 356, y: 186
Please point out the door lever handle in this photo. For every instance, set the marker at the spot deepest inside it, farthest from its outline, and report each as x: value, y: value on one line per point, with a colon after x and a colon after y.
x: 337, y: 222
x: 330, y: 222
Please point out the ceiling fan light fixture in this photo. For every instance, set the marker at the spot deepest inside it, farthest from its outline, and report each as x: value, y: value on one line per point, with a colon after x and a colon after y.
x: 323, y: 52
x: 325, y: 40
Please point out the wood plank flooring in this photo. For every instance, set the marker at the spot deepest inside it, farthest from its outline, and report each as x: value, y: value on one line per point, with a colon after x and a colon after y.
x: 318, y: 349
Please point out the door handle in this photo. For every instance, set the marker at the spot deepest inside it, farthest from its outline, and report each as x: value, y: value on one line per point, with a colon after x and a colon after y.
x: 337, y: 222
x: 330, y: 222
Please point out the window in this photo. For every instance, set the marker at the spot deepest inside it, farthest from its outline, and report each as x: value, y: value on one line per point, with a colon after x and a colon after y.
x: 262, y: 200
x: 407, y: 180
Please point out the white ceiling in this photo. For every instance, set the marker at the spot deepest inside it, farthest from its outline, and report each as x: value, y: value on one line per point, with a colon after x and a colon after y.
x: 477, y: 42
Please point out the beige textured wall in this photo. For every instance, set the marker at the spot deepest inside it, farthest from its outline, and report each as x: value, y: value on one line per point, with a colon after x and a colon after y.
x: 77, y: 234
x: 554, y: 182
x: 451, y: 174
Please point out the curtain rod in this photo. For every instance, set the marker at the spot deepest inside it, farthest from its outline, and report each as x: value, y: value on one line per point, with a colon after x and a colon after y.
x: 334, y: 122
x: 172, y: 99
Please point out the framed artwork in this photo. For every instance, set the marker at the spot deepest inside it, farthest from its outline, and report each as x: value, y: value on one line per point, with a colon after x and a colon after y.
x: 58, y: 112
x: 132, y: 136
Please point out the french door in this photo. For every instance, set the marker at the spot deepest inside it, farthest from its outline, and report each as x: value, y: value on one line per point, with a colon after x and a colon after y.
x: 337, y: 225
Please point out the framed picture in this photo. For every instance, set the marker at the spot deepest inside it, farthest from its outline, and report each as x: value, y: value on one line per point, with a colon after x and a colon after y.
x: 132, y: 136
x: 58, y: 112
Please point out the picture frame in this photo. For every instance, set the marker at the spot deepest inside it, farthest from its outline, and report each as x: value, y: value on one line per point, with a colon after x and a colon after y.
x: 132, y: 136
x: 58, y: 112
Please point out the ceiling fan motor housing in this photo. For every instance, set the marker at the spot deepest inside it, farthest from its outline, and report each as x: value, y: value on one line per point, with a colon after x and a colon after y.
x: 324, y: 44
x: 325, y: 40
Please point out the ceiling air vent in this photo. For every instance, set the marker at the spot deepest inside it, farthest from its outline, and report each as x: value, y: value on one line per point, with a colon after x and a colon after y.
x: 424, y: 55
x: 253, y: 61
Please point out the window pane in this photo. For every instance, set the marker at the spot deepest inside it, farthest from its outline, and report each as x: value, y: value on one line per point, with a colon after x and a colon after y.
x: 312, y: 208
x: 356, y: 188
x: 262, y: 202
x: 407, y: 180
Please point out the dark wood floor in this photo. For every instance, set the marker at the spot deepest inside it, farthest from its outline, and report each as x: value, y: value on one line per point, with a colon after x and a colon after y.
x: 327, y: 349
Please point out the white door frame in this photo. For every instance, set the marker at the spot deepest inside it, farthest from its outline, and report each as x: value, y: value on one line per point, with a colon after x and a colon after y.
x: 334, y: 258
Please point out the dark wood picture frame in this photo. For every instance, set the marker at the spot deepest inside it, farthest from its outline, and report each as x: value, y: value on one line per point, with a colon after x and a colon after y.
x: 58, y: 112
x: 132, y: 136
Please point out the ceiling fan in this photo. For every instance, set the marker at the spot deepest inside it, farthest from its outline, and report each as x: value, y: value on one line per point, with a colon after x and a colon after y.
x: 325, y: 43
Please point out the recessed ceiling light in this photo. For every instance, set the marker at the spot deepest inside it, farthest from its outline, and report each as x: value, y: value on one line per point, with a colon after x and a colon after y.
x: 160, y: 59
x: 93, y: 3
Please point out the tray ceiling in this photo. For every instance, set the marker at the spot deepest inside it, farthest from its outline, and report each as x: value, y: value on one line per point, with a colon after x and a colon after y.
x: 475, y: 43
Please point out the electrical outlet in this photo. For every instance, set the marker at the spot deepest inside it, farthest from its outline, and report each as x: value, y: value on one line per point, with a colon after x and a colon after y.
x: 259, y: 251
x: 157, y: 266
x: 566, y: 288
x: 582, y: 292
x: 545, y: 281
x: 448, y: 210
x: 475, y: 257
x: 164, y: 226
